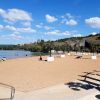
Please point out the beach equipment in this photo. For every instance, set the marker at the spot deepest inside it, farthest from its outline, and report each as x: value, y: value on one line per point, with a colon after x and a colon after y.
x: 50, y: 58
x: 94, y: 57
x: 79, y: 57
x: 62, y: 56
x: 68, y: 54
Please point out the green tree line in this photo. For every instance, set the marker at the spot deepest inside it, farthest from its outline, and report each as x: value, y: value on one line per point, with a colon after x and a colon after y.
x: 82, y: 44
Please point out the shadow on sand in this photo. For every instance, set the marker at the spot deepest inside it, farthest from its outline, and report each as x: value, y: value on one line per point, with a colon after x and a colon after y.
x: 98, y: 96
x: 78, y: 86
x: 83, y: 84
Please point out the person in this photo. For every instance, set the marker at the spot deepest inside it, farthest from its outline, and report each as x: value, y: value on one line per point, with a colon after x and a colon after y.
x: 40, y: 58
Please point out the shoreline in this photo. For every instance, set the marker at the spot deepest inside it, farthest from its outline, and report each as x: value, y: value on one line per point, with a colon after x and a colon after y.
x: 17, y: 54
x: 37, y: 54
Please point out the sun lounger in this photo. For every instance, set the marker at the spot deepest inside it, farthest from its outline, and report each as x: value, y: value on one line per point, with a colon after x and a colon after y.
x: 78, y: 57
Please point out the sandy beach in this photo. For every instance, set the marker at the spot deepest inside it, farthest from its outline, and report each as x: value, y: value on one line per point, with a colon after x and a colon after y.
x: 29, y: 74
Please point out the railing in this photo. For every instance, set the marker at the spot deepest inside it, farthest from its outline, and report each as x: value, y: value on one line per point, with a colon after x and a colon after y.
x: 12, y: 91
x: 92, y: 78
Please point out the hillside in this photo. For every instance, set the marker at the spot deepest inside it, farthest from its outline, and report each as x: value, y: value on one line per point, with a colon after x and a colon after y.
x: 91, y: 38
x: 89, y: 43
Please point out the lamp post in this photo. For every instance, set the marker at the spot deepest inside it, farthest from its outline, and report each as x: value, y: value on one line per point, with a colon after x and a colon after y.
x: 50, y: 45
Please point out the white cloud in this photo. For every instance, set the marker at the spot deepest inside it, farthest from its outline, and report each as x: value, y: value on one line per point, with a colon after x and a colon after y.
x: 47, y: 27
x: 77, y: 35
x: 62, y: 16
x: 93, y: 33
x: 50, y: 19
x: 61, y: 33
x: 16, y: 37
x: 2, y: 36
x: 11, y: 28
x: 26, y: 30
x: 19, y: 30
x: 54, y: 32
x: 13, y: 36
x: 71, y: 22
x: 43, y: 26
x: 26, y: 24
x: 63, y: 21
x: 13, y: 15
x: 68, y: 33
x: 93, y: 22
x: 71, y: 33
x: 1, y: 27
x: 68, y: 15
x: 68, y: 19
x: 39, y: 26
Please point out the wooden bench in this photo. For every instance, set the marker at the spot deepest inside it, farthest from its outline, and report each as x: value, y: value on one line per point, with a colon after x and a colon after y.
x: 92, y: 78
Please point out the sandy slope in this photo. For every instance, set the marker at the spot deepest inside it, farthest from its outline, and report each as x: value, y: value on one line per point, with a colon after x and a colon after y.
x: 27, y: 74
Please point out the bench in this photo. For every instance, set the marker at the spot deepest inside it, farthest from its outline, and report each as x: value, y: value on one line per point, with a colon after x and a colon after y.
x: 92, y: 78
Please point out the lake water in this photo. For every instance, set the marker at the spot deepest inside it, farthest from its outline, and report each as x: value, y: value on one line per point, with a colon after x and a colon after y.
x: 10, y: 54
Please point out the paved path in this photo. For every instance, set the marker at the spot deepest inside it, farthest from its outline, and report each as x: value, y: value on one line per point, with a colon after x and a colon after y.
x: 58, y: 92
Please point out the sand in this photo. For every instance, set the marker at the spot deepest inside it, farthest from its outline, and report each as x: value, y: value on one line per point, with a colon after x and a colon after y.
x: 29, y: 74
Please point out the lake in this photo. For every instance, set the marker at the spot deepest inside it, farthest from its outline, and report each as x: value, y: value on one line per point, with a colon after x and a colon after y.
x: 10, y: 54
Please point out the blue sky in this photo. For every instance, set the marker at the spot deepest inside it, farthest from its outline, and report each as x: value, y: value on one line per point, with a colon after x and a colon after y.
x: 26, y: 21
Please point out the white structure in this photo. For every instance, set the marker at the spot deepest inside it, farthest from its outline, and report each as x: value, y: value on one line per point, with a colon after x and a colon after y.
x: 60, y: 52
x: 50, y: 59
x: 53, y: 51
x: 68, y: 54
x: 62, y: 56
x: 93, y: 57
